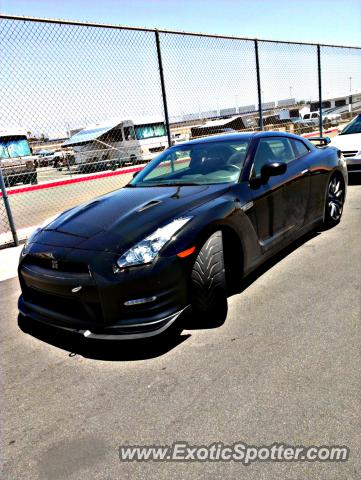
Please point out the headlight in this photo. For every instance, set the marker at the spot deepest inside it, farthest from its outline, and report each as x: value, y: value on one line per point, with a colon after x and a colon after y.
x: 146, y: 250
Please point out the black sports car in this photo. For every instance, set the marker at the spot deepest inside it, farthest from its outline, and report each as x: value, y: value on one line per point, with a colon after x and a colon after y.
x: 180, y: 235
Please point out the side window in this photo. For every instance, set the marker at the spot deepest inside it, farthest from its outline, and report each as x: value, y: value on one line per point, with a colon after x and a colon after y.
x: 273, y: 149
x: 315, y: 115
x: 300, y: 148
x: 129, y: 133
x: 114, y: 135
x: 307, y: 116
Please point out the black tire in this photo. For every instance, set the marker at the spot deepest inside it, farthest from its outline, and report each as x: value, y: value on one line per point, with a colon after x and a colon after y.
x: 208, y: 283
x: 335, y: 197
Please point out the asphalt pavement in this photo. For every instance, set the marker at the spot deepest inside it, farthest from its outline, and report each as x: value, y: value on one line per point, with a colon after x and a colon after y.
x: 284, y: 367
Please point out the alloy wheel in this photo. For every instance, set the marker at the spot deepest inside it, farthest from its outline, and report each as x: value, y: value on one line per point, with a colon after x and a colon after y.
x: 335, y: 198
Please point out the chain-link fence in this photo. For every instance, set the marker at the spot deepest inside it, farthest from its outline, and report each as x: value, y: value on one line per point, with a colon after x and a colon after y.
x: 84, y: 106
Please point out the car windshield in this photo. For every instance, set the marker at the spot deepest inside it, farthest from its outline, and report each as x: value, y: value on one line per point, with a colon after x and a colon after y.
x: 195, y: 164
x: 353, y: 127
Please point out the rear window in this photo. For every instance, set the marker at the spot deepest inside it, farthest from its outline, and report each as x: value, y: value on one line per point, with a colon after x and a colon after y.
x: 300, y: 148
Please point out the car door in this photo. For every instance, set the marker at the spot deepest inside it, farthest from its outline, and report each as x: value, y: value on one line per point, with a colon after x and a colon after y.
x: 296, y: 188
x: 280, y: 201
x: 268, y: 208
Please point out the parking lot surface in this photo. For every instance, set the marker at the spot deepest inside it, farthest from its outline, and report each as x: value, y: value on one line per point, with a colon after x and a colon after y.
x: 283, y: 368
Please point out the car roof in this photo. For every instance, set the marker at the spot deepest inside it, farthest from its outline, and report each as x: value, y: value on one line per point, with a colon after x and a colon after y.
x: 234, y: 137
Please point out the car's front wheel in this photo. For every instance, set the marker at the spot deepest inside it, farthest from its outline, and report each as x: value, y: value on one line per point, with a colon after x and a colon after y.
x: 335, y: 198
x: 208, y: 283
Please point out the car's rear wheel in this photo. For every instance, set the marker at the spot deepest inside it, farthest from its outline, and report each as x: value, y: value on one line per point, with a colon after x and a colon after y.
x: 208, y: 283
x: 335, y: 198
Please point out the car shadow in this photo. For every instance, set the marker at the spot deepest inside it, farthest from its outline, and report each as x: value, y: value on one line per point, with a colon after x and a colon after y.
x: 115, y: 350
x: 132, y: 350
x: 270, y: 263
x: 194, y: 323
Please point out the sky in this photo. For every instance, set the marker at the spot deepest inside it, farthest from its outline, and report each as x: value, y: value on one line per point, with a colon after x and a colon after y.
x: 324, y: 21
x: 55, y: 78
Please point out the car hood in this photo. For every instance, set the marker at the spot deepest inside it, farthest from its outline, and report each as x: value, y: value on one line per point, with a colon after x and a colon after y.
x: 117, y: 220
x: 350, y: 141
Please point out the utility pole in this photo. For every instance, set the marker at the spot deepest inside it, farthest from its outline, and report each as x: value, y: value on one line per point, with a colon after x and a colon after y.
x: 319, y: 88
x: 259, y: 89
x: 350, y: 97
x: 8, y: 209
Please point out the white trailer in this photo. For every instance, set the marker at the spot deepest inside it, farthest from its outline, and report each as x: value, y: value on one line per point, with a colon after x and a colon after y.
x: 116, y: 142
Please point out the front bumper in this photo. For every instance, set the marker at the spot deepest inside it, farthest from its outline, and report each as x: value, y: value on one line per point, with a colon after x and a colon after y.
x: 84, y: 295
x: 131, y: 332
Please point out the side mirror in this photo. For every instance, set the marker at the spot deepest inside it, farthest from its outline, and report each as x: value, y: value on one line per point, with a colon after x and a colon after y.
x: 327, y: 140
x: 273, y: 169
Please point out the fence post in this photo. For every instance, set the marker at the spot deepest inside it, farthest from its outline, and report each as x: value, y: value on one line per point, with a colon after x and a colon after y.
x: 8, y: 208
x: 164, y: 96
x: 319, y: 87
x: 258, y: 86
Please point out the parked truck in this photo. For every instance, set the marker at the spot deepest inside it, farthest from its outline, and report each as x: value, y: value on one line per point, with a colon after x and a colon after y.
x: 17, y: 162
x: 328, y: 119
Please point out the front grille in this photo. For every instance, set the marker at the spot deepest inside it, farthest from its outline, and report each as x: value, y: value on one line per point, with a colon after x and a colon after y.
x: 60, y: 265
x: 156, y: 149
x: 71, y: 308
x: 349, y: 153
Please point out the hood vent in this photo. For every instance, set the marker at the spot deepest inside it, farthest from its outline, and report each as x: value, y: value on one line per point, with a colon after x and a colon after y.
x: 150, y: 204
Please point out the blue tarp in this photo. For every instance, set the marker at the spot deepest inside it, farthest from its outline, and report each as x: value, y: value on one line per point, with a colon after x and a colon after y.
x: 17, y: 147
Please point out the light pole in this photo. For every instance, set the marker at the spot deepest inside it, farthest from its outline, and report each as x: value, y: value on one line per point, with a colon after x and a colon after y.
x: 290, y: 92
x: 350, y: 98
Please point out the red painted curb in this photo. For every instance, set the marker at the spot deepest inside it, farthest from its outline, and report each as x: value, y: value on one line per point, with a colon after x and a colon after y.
x: 69, y: 181
x: 313, y: 134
